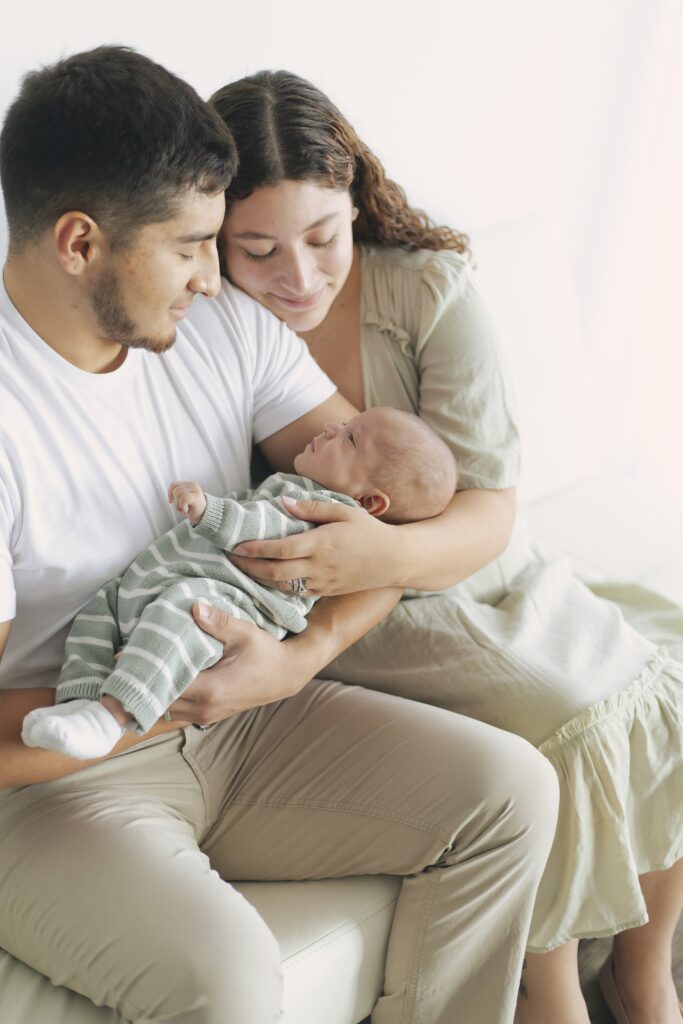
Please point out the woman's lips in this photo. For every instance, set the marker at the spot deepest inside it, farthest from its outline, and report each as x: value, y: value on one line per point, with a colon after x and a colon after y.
x: 304, y: 303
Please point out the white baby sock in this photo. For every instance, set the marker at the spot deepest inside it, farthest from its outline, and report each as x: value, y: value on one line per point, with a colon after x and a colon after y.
x: 77, y: 728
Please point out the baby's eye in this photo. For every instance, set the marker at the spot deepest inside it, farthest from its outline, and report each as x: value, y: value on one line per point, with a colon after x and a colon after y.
x: 351, y: 438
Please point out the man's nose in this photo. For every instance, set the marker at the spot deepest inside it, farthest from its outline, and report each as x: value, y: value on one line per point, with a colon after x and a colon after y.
x: 206, y: 279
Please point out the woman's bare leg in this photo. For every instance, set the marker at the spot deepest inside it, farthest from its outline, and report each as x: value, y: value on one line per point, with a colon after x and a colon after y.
x: 642, y: 956
x: 550, y: 989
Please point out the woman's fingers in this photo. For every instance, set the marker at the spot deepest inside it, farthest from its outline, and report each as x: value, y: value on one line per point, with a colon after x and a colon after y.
x: 300, y: 545
x: 270, y: 573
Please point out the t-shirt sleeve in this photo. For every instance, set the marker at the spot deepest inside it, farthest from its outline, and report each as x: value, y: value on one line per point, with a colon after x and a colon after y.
x: 465, y: 393
x: 8, y: 599
x: 287, y: 381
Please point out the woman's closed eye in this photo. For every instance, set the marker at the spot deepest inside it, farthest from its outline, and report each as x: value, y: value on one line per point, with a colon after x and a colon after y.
x: 259, y: 257
x: 324, y: 245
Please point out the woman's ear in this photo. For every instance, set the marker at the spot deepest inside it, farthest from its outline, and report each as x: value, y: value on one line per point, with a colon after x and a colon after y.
x: 354, y: 212
x: 376, y: 504
x: 78, y: 241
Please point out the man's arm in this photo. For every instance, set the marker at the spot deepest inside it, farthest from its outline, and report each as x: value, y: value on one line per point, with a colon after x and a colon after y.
x: 280, y: 448
x: 21, y: 765
x: 257, y: 669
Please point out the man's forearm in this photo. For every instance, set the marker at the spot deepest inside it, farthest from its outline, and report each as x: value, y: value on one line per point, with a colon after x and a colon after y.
x: 335, y: 623
x: 21, y: 765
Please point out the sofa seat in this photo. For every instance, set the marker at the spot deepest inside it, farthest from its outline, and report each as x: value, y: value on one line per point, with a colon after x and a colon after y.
x: 333, y: 937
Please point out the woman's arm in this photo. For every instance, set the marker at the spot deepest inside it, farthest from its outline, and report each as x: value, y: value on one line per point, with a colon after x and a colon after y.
x: 464, y: 397
x: 428, y: 555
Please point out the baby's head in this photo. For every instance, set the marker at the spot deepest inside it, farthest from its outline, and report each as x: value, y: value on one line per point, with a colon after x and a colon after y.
x: 391, y: 462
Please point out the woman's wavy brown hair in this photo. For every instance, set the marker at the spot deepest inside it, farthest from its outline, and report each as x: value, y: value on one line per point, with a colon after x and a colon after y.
x: 287, y: 130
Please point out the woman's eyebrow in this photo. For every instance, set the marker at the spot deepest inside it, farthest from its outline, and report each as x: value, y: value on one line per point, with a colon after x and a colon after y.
x: 271, y: 238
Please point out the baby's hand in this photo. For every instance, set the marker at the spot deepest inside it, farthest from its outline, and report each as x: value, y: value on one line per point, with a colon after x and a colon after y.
x: 188, y: 498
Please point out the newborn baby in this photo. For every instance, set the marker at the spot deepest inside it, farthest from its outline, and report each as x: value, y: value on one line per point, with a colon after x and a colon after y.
x: 387, y: 462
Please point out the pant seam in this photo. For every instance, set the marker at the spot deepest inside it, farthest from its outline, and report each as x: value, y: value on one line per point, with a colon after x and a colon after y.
x: 349, y: 808
x: 417, y: 951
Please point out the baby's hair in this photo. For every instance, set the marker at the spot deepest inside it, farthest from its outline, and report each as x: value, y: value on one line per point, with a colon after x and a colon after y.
x: 416, y: 470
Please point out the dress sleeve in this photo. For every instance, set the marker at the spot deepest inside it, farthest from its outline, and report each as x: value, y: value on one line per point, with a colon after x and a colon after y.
x: 465, y: 394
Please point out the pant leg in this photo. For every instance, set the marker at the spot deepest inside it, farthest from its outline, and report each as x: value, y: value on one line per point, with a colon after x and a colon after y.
x: 104, y: 890
x: 93, y: 640
x: 343, y: 781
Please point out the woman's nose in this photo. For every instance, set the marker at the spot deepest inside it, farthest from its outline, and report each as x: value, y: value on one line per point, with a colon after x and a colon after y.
x: 299, y: 273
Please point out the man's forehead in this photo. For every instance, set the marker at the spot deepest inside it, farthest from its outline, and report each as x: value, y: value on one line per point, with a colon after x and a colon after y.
x: 197, y: 216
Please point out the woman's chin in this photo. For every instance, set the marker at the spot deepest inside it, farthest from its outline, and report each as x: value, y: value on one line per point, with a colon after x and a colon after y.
x: 302, y: 322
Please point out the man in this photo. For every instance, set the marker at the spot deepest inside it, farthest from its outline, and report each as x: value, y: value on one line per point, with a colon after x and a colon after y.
x: 111, y: 875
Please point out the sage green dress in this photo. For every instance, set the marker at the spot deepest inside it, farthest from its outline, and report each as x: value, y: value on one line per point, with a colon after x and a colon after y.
x: 592, y: 677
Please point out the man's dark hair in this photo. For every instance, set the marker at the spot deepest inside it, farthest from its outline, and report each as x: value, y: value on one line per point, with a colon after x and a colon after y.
x: 112, y: 134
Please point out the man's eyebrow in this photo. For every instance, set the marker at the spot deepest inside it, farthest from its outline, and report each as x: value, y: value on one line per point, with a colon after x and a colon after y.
x: 200, y: 237
x: 271, y: 238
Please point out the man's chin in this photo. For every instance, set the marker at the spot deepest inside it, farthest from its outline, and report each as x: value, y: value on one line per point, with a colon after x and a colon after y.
x: 149, y: 344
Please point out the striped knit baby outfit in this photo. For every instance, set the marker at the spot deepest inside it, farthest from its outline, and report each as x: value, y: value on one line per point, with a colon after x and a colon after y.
x: 147, y: 611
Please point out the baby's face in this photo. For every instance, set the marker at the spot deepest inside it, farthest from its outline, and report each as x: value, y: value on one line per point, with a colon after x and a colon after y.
x: 342, y: 457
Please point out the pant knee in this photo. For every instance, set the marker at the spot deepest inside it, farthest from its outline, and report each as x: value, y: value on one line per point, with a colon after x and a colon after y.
x: 532, y: 794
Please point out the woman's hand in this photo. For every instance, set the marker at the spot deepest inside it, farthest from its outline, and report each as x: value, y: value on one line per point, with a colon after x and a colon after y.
x: 255, y: 669
x: 351, y: 552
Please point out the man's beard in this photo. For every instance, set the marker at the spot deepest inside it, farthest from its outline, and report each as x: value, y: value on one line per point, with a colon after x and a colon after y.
x: 114, y: 321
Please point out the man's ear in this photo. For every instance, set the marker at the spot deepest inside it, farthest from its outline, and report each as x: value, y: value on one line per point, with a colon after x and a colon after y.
x: 376, y: 504
x: 78, y: 241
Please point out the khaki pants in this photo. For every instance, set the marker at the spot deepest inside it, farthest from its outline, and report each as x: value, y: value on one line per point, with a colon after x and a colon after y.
x: 112, y: 879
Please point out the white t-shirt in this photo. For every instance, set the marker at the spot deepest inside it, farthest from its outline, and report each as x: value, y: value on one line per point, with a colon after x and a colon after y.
x: 86, y: 459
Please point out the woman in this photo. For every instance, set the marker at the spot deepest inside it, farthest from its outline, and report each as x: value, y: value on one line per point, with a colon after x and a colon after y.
x: 388, y: 306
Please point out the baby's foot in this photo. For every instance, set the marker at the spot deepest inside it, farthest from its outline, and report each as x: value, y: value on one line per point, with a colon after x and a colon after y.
x: 77, y: 728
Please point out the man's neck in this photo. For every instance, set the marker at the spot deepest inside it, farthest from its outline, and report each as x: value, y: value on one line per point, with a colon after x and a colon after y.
x: 58, y: 313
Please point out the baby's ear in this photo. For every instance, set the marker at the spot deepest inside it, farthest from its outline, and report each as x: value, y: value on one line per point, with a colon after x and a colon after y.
x: 376, y: 504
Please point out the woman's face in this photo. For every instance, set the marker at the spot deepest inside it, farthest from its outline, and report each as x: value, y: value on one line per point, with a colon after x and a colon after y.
x: 291, y: 247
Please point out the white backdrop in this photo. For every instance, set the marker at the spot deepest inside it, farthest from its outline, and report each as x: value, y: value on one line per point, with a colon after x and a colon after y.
x: 485, y: 112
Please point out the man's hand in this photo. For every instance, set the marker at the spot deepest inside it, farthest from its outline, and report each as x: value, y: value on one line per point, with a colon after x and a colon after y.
x: 188, y: 498
x: 255, y: 669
